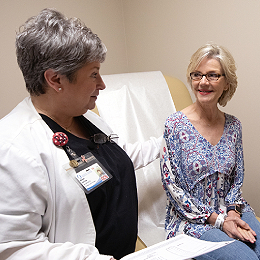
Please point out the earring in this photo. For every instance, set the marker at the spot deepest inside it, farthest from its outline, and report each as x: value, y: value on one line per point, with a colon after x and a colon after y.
x: 59, y: 89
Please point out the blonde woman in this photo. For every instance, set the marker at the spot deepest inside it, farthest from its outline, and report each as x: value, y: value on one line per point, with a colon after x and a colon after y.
x: 202, y: 162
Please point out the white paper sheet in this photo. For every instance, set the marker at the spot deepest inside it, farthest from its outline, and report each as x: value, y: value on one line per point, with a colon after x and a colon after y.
x: 178, y: 248
x: 136, y: 105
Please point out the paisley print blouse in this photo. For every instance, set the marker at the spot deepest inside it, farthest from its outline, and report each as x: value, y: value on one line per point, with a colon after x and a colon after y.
x: 200, y: 178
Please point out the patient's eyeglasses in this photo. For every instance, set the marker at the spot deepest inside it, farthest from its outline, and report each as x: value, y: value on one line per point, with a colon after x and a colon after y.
x: 101, y: 138
x: 197, y: 76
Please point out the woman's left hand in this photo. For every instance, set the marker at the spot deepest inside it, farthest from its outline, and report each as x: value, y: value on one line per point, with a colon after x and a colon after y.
x: 248, y: 234
x: 236, y: 228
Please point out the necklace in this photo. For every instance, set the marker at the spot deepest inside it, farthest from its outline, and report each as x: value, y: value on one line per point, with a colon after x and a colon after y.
x: 68, y: 129
x: 41, y: 111
x: 214, y: 121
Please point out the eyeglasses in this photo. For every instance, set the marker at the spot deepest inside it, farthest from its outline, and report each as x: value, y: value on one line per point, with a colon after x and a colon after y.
x: 101, y: 138
x: 209, y: 76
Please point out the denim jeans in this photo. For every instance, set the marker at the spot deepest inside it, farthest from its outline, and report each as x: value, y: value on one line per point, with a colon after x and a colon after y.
x: 237, y: 250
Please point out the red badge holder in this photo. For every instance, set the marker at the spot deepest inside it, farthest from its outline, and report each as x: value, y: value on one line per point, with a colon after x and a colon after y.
x: 60, y: 139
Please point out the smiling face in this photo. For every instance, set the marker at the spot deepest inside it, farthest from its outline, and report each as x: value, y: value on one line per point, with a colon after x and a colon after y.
x: 209, y: 92
x: 80, y: 95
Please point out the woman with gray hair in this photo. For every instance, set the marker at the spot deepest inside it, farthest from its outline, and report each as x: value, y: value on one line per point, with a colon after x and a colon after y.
x: 202, y: 162
x: 54, y: 204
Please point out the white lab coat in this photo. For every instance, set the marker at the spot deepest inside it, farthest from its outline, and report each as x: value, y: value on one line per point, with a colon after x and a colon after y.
x: 43, y: 212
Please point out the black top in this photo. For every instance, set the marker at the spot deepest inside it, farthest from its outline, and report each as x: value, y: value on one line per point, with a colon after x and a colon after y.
x: 113, y: 205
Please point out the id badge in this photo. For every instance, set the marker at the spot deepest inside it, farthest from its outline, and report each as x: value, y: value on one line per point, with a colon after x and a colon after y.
x: 90, y: 173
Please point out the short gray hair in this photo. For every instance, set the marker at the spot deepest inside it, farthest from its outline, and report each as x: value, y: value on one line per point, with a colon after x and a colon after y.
x: 227, y: 63
x: 52, y: 41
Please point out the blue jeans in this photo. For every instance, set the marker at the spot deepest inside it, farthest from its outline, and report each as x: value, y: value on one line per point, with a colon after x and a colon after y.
x: 237, y: 250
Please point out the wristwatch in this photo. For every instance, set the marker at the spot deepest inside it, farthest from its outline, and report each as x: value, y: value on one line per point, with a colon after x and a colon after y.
x: 236, y: 208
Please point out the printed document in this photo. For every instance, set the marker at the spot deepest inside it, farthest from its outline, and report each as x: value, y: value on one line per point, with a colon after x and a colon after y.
x: 177, y: 248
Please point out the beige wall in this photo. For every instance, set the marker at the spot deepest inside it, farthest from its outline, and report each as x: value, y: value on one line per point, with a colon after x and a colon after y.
x: 144, y: 35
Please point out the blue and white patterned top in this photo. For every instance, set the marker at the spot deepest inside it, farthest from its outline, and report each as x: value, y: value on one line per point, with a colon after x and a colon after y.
x: 200, y: 178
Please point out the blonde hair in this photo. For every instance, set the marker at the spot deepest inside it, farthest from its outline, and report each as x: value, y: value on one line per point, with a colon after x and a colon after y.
x: 227, y: 63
